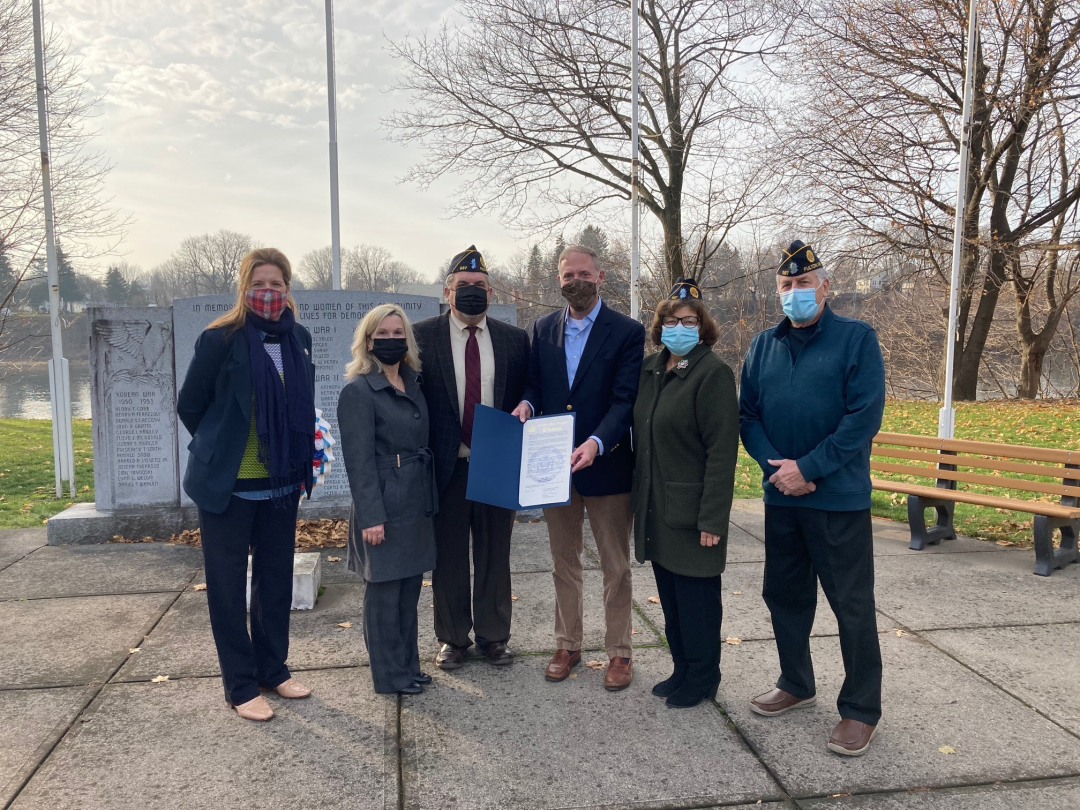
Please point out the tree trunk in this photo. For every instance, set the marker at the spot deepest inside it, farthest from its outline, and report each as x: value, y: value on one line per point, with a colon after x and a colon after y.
x: 1031, y: 367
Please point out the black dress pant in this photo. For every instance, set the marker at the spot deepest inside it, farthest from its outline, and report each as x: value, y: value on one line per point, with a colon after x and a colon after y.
x: 805, y: 545
x: 390, y: 632
x: 488, y: 610
x: 693, y: 612
x: 248, y: 662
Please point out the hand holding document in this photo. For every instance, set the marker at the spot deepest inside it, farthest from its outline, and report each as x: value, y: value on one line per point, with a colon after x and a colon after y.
x: 520, y: 465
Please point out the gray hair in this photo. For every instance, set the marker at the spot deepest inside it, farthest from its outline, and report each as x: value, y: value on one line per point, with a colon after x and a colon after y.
x: 823, y: 273
x: 588, y: 251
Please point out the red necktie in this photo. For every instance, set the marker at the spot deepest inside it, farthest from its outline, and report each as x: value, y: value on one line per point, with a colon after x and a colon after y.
x: 472, y: 386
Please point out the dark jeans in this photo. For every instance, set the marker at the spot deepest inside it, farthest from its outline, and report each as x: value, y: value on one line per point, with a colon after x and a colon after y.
x: 805, y: 545
x: 489, y: 609
x: 248, y: 662
x: 693, y: 612
x: 390, y: 632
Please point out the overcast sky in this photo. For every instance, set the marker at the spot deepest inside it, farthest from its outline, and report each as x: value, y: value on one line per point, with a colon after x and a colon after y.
x: 214, y: 115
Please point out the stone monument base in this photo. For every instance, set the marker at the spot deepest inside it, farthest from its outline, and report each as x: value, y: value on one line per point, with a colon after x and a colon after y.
x: 84, y: 524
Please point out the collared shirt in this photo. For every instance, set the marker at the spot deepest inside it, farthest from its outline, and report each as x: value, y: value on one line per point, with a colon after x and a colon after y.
x: 459, y: 336
x: 575, y: 336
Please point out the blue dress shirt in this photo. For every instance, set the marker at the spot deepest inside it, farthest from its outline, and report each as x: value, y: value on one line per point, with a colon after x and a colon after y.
x: 575, y: 336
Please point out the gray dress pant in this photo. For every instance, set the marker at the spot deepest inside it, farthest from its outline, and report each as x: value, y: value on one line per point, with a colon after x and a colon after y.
x: 390, y: 632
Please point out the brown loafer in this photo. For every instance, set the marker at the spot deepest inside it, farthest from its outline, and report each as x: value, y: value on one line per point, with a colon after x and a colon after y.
x: 450, y: 657
x: 620, y: 672
x: 558, y: 668
x: 291, y: 690
x: 779, y: 702
x: 256, y: 709
x: 851, y: 738
x: 498, y: 654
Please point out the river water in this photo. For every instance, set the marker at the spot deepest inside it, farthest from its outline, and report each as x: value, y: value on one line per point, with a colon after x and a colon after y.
x: 24, y: 390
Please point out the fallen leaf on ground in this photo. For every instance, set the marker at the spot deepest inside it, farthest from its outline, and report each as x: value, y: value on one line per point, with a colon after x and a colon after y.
x: 573, y: 674
x: 901, y: 633
x: 426, y: 583
x: 737, y: 593
x: 346, y: 625
x: 159, y: 679
x: 133, y: 650
x: 333, y: 559
x: 634, y: 631
x: 200, y: 587
x: 733, y: 640
x: 947, y: 749
x: 655, y: 600
x: 596, y: 664
x: 513, y: 598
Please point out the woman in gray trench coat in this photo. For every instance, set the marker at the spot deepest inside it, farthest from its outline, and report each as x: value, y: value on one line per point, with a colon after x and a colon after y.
x: 383, y: 422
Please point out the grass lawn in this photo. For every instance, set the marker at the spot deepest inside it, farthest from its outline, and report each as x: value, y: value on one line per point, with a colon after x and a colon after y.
x: 27, y: 487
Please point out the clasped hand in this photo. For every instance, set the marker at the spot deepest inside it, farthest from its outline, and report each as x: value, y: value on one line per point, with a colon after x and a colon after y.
x: 789, y: 479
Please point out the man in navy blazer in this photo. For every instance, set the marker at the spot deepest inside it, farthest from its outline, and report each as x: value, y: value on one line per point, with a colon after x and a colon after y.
x: 586, y: 359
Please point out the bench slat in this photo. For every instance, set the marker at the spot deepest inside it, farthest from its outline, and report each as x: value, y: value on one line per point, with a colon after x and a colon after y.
x: 975, y: 478
x: 1046, y: 454
x: 980, y: 463
x: 1032, y: 507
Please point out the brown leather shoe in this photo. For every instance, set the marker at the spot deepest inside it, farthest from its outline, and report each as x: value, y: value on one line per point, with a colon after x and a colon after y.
x: 499, y: 654
x: 558, y: 668
x: 851, y: 738
x: 779, y: 702
x: 450, y: 657
x: 620, y: 672
x: 256, y: 709
x: 291, y: 690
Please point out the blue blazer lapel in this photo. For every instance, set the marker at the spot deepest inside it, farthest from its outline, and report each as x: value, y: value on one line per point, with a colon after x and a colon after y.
x: 444, y: 356
x: 597, y: 335
x: 240, y: 372
x: 499, y: 348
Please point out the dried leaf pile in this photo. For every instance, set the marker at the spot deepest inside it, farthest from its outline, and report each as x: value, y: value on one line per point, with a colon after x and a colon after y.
x: 311, y: 535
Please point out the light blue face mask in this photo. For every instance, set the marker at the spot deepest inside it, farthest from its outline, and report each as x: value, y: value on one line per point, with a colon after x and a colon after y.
x: 679, y: 339
x: 800, y: 304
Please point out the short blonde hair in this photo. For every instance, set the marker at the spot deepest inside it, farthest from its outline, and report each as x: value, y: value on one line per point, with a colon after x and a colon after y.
x: 363, y: 361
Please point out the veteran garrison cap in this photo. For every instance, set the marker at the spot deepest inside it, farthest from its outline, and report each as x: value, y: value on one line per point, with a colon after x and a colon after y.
x: 468, y: 261
x: 797, y: 259
x: 685, y: 288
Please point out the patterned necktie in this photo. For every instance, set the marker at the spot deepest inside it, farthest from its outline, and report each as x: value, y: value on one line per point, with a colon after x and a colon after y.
x: 472, y: 385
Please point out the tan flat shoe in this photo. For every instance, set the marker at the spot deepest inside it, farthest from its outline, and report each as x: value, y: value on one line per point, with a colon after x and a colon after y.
x: 256, y: 709
x: 292, y: 690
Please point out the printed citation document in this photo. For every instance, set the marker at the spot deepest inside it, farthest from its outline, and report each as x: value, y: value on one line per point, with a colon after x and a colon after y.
x: 520, y: 466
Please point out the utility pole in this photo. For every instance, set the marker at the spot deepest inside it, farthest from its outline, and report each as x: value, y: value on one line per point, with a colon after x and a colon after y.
x: 635, y: 172
x: 59, y: 387
x: 331, y: 98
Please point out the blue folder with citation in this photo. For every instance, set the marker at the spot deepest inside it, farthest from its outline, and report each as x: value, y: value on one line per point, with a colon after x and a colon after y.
x: 519, y: 465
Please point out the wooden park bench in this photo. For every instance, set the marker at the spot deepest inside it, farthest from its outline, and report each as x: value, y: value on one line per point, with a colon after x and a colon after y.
x: 943, y: 459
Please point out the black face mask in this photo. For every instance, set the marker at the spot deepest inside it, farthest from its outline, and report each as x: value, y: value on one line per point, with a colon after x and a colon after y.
x: 579, y: 293
x: 389, y: 351
x: 471, y: 300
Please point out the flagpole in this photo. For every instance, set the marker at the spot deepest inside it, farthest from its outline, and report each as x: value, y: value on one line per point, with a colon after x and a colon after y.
x: 947, y: 415
x: 331, y: 97
x: 635, y: 169
x: 63, y: 455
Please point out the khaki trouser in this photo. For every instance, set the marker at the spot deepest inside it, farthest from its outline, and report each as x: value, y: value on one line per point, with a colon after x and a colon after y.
x: 610, y: 519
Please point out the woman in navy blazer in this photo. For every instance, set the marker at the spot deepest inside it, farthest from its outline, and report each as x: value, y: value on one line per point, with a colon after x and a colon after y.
x: 248, y: 402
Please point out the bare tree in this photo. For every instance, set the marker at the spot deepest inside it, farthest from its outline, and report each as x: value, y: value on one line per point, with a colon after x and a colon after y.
x: 317, y: 269
x: 85, y: 222
x: 531, y: 101
x: 873, y: 135
x: 208, y: 264
x: 370, y: 267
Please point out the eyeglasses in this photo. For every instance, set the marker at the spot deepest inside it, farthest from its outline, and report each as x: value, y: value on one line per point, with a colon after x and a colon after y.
x: 686, y: 320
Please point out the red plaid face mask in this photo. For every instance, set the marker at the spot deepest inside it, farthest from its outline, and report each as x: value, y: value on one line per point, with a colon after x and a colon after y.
x: 266, y: 303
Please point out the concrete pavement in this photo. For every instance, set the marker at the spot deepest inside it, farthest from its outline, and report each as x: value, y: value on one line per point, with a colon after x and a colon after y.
x: 981, y: 708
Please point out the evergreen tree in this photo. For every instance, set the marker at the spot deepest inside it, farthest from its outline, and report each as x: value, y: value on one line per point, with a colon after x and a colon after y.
x: 595, y: 238
x: 69, y: 284
x: 117, y: 290
x: 137, y: 295
x: 7, y: 277
x: 534, y: 267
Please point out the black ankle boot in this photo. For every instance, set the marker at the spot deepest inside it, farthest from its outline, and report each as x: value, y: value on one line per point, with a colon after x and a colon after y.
x: 690, y: 694
x: 665, y: 688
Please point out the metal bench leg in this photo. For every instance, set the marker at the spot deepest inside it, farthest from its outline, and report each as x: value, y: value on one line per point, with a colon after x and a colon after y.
x: 921, y: 536
x: 1047, y: 558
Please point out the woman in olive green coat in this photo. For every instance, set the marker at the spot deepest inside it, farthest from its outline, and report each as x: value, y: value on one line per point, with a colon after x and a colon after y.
x: 686, y: 437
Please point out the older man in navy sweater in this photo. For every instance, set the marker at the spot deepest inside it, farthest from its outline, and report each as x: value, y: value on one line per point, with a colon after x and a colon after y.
x: 811, y: 401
